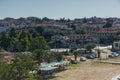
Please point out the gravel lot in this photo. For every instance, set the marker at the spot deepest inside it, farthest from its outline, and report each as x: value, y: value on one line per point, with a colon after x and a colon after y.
x: 89, y: 70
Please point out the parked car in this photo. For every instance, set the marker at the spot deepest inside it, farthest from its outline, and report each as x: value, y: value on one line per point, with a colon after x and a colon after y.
x: 114, y: 50
x: 73, y: 62
x: 115, y: 54
x: 82, y: 59
x: 94, y: 55
x: 111, y: 56
x: 90, y: 57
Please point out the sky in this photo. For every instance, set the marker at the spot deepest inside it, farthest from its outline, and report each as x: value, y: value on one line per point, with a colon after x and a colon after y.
x: 56, y: 9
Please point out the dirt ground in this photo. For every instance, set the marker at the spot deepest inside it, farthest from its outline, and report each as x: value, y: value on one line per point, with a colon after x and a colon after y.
x: 89, y: 70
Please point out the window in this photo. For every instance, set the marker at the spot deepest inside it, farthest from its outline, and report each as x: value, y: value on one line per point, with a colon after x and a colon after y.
x: 116, y: 44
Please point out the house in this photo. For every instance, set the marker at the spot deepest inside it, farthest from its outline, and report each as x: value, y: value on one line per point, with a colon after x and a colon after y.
x: 78, y: 40
x: 116, y: 23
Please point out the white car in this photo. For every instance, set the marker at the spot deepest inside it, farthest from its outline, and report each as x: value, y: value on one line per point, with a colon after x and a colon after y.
x: 115, y: 54
x: 82, y: 59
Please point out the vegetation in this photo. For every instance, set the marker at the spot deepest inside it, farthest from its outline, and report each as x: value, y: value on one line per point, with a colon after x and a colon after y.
x: 22, y: 40
x: 80, y: 31
x: 19, y: 69
x: 75, y: 53
x: 108, y: 23
x: 90, y: 46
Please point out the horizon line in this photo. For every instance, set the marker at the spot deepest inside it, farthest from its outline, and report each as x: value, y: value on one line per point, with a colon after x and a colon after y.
x: 60, y: 17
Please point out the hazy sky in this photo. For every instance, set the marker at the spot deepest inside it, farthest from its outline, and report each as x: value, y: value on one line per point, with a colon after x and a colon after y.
x: 59, y: 8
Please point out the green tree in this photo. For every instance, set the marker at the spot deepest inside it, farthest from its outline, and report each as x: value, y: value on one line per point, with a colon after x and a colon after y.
x: 80, y: 31
x: 12, y: 33
x: 39, y: 55
x: 5, y: 70
x: 84, y: 20
x: 38, y: 43
x: 48, y: 34
x: 4, y: 41
x: 90, y: 46
x: 45, y: 19
x: 19, y: 69
x: 23, y: 34
x: 34, y: 34
x: 108, y: 24
x: 58, y: 56
x: 25, y: 44
x: 75, y: 53
x: 22, y: 65
x: 73, y: 27
x: 49, y: 56
x: 14, y: 45
x: 103, y: 39
x: 39, y: 29
x: 24, y: 41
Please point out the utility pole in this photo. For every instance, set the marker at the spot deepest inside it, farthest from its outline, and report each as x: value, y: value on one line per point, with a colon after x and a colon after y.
x: 99, y: 56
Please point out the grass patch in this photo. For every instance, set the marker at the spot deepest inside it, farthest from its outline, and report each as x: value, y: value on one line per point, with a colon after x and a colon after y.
x: 51, y: 79
x: 98, y: 63
x: 116, y: 59
x: 74, y: 65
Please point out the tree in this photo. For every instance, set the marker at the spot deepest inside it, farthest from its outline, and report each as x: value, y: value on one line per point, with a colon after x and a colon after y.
x: 80, y: 31
x: 12, y: 33
x: 22, y: 65
x: 4, y: 41
x: 34, y: 34
x: 39, y: 29
x: 38, y: 20
x: 75, y: 53
x: 103, y: 39
x: 5, y: 70
x: 24, y: 41
x: 118, y: 33
x: 38, y: 43
x: 14, y: 45
x: 45, y: 19
x: 108, y: 24
x: 23, y: 34
x: 90, y: 46
x: 25, y: 44
x: 48, y: 34
x: 58, y: 56
x: 39, y: 55
x: 84, y: 20
x: 1, y: 55
x: 73, y: 27
x: 19, y: 69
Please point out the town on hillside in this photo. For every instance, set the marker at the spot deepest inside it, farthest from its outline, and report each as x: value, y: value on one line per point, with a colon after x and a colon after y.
x: 35, y: 48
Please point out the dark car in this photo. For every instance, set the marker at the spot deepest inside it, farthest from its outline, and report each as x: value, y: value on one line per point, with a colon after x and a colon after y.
x: 90, y: 57
x: 73, y: 62
x: 94, y: 55
x: 114, y: 50
x: 111, y: 56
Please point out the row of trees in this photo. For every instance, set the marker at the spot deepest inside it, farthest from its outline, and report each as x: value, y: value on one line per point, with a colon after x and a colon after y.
x: 21, y: 41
